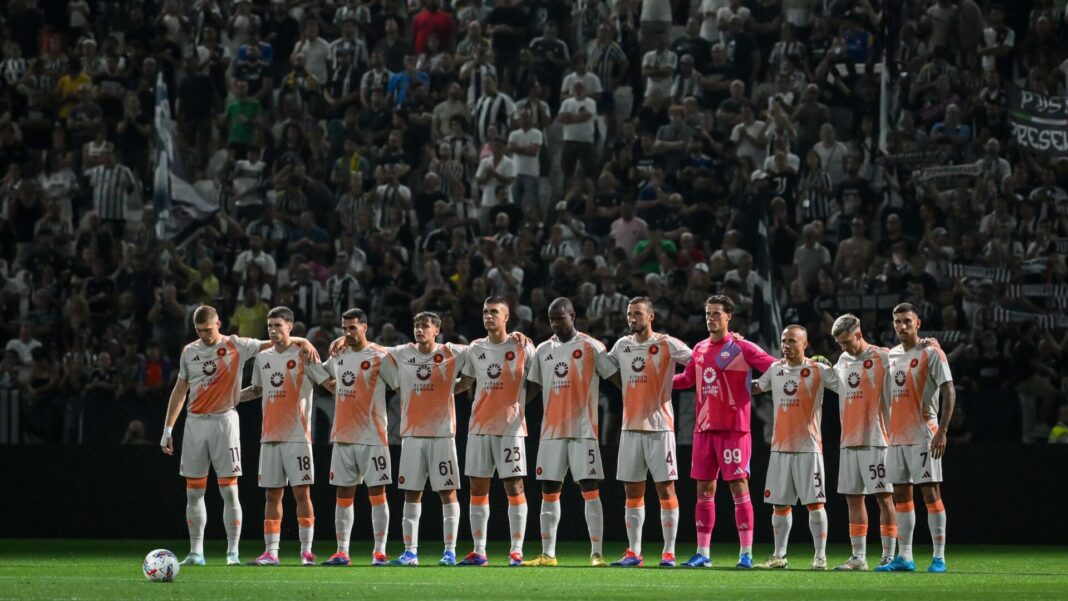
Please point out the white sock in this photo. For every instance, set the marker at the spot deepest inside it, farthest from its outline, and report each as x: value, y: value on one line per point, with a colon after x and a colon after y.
x: 936, y: 521
x: 450, y: 524
x: 817, y: 525
x: 889, y: 544
x: 669, y: 523
x: 344, y: 515
x: 196, y: 516
x: 480, y: 513
x: 906, y: 525
x: 272, y: 534
x: 859, y: 542
x: 307, y: 534
x: 232, y: 517
x: 781, y: 525
x: 635, y: 519
x: 410, y: 525
x: 380, y: 523
x: 550, y: 519
x: 517, y: 521
x: 595, y: 524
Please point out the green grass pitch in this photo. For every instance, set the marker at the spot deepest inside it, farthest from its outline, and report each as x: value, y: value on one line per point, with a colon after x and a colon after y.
x: 62, y: 569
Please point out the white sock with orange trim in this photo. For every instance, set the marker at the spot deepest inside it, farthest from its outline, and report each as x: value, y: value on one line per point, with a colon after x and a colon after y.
x: 307, y: 533
x: 344, y: 516
x: 550, y: 520
x: 196, y: 513
x: 480, y: 512
x: 634, y: 514
x: 517, y: 520
x: 232, y: 514
x: 450, y: 524
x: 669, y: 522
x: 410, y: 526
x: 817, y: 525
x: 380, y: 521
x: 906, y: 525
x: 936, y: 521
x: 782, y: 520
x: 272, y: 533
x: 888, y: 536
x: 595, y: 520
x: 858, y: 537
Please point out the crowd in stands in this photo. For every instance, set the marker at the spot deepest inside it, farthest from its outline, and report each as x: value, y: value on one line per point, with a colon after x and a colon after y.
x: 403, y: 156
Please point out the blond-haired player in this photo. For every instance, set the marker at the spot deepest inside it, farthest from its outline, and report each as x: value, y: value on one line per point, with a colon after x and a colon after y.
x: 646, y: 361
x: 568, y: 368
x: 284, y: 377
x: 795, y: 470
x: 920, y: 381
x: 209, y: 373
x: 497, y: 367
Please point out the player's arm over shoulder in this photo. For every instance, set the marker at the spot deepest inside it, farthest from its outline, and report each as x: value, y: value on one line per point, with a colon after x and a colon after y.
x: 755, y: 356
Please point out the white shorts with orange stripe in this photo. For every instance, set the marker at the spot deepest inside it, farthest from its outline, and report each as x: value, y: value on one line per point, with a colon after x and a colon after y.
x: 912, y: 464
x: 486, y: 453
x: 793, y: 477
x: 862, y: 471
x: 211, y: 440
x: 581, y: 455
x: 354, y: 464
x: 643, y: 453
x: 286, y: 464
x: 428, y: 457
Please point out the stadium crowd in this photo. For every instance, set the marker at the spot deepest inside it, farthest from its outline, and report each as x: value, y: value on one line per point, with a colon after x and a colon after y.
x: 422, y: 155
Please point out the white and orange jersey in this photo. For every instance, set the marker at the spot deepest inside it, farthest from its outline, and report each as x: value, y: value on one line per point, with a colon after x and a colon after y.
x: 500, y: 389
x: 214, y: 372
x: 646, y: 370
x: 361, y: 378
x: 287, y: 381
x: 915, y: 378
x: 425, y: 383
x: 797, y: 391
x: 864, y: 397
x: 570, y: 387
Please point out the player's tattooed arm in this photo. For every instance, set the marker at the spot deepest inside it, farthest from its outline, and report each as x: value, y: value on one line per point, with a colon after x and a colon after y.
x: 949, y: 401
x: 463, y: 384
x: 251, y: 392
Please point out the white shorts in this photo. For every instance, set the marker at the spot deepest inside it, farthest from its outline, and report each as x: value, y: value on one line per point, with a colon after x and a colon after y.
x: 581, y: 455
x: 286, y: 464
x: 793, y: 477
x: 487, y: 452
x: 912, y: 464
x: 211, y: 438
x: 423, y: 457
x: 644, y: 453
x: 353, y: 464
x: 862, y: 471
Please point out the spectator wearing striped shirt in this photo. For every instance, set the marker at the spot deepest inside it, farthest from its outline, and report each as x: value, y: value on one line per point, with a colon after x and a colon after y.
x: 492, y: 108
x: 608, y: 62
x: 815, y: 191
x: 111, y: 183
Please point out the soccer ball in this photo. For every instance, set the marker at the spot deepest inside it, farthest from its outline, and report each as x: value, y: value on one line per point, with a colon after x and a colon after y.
x: 161, y: 566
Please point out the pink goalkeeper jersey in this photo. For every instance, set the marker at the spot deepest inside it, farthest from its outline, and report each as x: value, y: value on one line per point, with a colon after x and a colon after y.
x: 723, y: 374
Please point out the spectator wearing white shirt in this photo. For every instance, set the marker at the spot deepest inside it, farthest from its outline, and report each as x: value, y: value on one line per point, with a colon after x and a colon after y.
x: 832, y: 153
x: 525, y: 143
x: 581, y: 73
x: 628, y: 229
x: 504, y: 275
x: 655, y: 22
x: 316, y: 52
x: 578, y: 115
x: 24, y: 346
x: 748, y: 136
x: 254, y: 254
x: 495, y: 170
x: 658, y: 66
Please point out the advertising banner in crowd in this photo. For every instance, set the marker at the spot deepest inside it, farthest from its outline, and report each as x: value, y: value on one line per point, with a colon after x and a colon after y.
x: 1039, y: 122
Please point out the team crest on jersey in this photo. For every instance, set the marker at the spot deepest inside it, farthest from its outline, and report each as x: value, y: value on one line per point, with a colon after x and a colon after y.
x: 539, y: 471
x: 348, y: 378
x: 291, y: 364
x: 899, y: 377
x: 438, y: 358
x: 400, y: 480
x: 868, y: 363
x: 789, y: 388
x: 221, y: 352
x: 560, y: 370
x: 423, y: 372
x: 638, y: 364
x: 914, y: 362
x: 853, y: 380
x: 209, y: 368
x: 577, y: 354
x: 767, y: 493
x: 509, y: 355
x: 806, y: 372
x: 277, y: 379
x: 709, y: 375
x: 654, y: 349
x: 725, y: 355
x: 493, y: 371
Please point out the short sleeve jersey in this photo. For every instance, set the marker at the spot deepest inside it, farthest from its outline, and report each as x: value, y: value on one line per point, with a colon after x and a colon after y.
x: 500, y: 373
x: 864, y: 397
x: 425, y: 383
x: 645, y: 371
x: 287, y: 382
x: 214, y: 372
x: 915, y: 378
x: 797, y: 391
x: 570, y: 387
x: 361, y: 378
